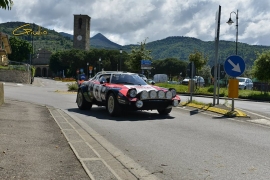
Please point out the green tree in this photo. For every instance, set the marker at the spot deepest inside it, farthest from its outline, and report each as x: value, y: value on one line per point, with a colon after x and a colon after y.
x: 136, y: 55
x: 20, y: 50
x: 261, y: 67
x: 205, y: 72
x: 173, y: 67
x: 6, y: 4
x: 199, y: 60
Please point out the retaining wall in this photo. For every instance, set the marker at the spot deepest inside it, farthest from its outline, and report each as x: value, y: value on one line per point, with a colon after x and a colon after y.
x: 15, y: 76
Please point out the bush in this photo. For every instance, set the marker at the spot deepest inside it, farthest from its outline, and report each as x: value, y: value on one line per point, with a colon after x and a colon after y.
x: 72, y: 86
x: 210, y: 89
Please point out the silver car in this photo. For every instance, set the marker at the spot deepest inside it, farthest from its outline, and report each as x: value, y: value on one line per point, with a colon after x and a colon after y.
x: 245, y: 83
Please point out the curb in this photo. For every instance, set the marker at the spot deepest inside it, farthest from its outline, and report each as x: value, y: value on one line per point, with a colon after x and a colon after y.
x: 1, y: 93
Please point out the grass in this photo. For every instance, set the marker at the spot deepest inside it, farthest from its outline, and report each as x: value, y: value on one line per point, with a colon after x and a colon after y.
x: 223, y: 92
x: 72, y: 86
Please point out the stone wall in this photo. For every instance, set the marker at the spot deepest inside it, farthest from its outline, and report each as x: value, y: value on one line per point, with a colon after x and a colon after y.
x: 15, y: 76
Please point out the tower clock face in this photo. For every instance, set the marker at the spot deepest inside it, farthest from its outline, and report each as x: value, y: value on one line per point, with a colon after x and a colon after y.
x: 79, y: 37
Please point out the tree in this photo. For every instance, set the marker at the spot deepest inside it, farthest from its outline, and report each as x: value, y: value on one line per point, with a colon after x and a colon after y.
x: 205, y: 72
x: 6, y: 4
x: 20, y: 50
x: 137, y: 54
x: 261, y: 67
x: 173, y: 67
x: 199, y: 59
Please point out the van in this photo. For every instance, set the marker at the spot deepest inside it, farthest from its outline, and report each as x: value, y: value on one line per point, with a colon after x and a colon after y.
x: 160, y: 78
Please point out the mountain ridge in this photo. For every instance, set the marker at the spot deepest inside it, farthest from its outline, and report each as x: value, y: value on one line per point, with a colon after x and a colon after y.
x: 179, y: 47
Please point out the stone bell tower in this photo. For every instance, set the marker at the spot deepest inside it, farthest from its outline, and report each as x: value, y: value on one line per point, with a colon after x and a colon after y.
x: 81, y: 32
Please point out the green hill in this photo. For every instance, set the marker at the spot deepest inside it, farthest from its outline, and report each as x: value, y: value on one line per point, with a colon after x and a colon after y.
x: 176, y: 46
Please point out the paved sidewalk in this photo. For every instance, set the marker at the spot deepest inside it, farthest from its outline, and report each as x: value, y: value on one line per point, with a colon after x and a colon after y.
x: 32, y: 145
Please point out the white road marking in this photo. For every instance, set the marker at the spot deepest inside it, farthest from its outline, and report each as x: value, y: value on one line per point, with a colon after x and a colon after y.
x: 255, y: 114
x: 260, y: 121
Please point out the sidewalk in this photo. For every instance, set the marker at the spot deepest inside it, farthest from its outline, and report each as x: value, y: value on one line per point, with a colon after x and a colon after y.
x: 32, y: 145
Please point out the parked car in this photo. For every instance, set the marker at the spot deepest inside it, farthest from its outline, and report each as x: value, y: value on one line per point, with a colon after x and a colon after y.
x: 143, y: 77
x: 245, y: 83
x: 151, y: 81
x: 199, y: 81
x: 119, y: 91
x: 186, y: 81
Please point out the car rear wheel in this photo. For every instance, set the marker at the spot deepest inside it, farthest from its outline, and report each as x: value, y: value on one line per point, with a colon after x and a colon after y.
x: 164, y: 111
x: 81, y: 102
x: 112, y: 105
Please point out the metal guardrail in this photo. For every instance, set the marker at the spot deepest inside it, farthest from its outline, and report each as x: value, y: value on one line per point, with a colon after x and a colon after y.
x: 18, y: 66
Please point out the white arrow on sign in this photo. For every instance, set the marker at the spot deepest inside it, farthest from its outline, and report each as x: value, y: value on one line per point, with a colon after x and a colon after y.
x: 235, y: 67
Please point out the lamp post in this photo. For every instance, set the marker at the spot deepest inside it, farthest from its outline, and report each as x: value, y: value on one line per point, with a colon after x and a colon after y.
x: 87, y: 66
x: 99, y: 63
x: 230, y: 21
x: 120, y: 60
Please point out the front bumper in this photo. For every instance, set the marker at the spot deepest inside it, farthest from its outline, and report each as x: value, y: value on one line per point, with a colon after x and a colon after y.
x: 149, y: 104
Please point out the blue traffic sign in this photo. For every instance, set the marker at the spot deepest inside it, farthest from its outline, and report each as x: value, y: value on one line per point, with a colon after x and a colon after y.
x: 234, y: 66
x: 146, y: 62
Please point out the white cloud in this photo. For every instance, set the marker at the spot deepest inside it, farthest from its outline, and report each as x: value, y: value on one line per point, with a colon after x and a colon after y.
x: 131, y: 21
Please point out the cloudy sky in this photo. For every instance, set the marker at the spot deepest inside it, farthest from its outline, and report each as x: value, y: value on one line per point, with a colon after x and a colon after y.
x: 132, y: 21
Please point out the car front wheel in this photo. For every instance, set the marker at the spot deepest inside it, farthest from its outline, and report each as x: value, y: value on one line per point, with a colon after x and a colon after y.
x: 164, y: 111
x: 112, y: 105
x: 82, y: 103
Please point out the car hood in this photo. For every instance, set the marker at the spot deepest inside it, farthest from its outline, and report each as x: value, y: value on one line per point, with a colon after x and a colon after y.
x: 142, y: 87
x: 241, y: 83
x: 124, y: 89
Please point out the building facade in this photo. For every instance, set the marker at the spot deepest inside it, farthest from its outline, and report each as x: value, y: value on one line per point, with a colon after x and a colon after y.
x: 41, y: 63
x: 81, y: 32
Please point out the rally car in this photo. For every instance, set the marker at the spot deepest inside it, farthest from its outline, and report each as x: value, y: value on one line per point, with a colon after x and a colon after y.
x: 123, y: 91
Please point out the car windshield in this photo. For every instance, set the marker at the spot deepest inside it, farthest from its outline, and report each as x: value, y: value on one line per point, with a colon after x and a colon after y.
x: 241, y: 80
x: 132, y: 79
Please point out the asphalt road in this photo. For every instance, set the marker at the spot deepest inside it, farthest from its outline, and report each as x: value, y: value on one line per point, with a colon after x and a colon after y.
x: 188, y: 144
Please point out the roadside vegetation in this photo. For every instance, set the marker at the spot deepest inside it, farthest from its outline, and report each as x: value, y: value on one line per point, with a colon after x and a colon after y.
x: 223, y: 92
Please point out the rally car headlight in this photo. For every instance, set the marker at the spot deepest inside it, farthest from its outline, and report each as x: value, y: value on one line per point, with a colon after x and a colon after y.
x: 139, y: 104
x: 161, y: 94
x: 173, y: 92
x: 169, y: 95
x: 152, y: 94
x: 132, y: 93
x: 144, y: 95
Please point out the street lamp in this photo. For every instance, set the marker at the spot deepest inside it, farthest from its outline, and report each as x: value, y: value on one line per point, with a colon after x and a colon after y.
x: 99, y: 63
x: 120, y: 59
x: 230, y: 21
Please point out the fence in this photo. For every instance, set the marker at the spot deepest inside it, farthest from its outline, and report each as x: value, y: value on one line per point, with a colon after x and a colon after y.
x: 260, y: 86
x: 14, y: 65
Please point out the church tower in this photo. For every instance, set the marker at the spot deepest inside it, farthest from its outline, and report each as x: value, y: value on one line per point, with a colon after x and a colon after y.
x: 81, y: 32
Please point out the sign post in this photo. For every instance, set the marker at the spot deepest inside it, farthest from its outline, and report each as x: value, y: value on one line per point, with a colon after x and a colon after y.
x: 234, y: 66
x: 217, y: 28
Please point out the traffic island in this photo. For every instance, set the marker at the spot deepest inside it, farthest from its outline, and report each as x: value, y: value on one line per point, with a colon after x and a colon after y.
x: 220, y: 109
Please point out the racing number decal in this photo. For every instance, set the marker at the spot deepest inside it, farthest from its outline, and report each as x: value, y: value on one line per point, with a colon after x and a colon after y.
x: 97, y: 92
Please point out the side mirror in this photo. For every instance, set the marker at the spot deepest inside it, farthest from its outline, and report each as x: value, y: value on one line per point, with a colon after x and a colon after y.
x: 152, y: 82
